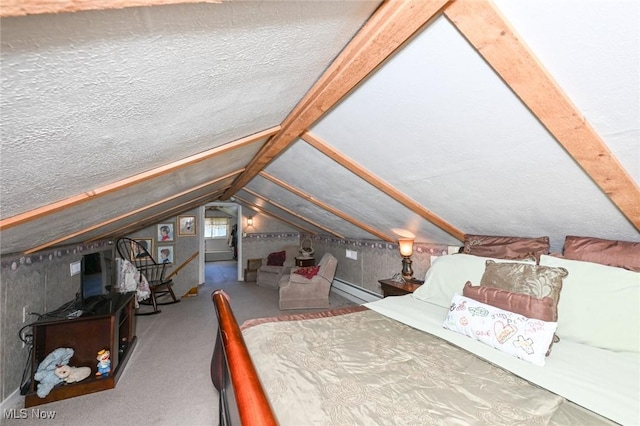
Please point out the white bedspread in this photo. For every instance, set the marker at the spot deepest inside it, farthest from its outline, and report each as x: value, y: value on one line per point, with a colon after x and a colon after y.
x: 605, y: 382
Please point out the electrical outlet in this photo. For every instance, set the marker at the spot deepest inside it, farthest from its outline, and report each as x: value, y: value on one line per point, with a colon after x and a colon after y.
x: 25, y: 311
x: 75, y: 268
x: 352, y: 254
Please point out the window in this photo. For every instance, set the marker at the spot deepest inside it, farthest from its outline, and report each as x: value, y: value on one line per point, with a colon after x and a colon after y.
x: 216, y: 227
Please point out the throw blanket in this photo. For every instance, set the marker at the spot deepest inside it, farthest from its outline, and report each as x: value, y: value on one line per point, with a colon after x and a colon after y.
x: 131, y: 279
x: 365, y: 368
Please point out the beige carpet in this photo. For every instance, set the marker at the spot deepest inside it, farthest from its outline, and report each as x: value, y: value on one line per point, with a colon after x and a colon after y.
x: 167, y: 380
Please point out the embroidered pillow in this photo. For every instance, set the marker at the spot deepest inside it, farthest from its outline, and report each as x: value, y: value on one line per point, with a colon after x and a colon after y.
x: 544, y: 309
x: 500, y: 247
x: 534, y: 280
x: 276, y: 258
x: 514, y: 334
x: 307, y: 271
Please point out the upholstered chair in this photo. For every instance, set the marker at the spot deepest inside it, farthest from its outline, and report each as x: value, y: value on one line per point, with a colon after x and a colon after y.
x: 275, y: 266
x: 298, y: 291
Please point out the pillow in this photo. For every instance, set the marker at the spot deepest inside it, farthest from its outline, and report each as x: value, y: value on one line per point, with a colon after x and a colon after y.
x: 531, y: 307
x: 624, y: 254
x: 534, y: 280
x: 514, y: 334
x: 448, y: 274
x: 307, y: 271
x: 505, y: 247
x: 599, y: 305
x: 276, y: 258
x: 545, y: 309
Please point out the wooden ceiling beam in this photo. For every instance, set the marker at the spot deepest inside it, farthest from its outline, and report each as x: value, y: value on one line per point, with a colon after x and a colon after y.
x: 36, y: 7
x: 325, y: 206
x: 131, y: 213
x: 393, y: 23
x: 291, y: 212
x: 140, y: 210
x: 381, y: 185
x: 273, y: 215
x: 490, y: 34
x: 141, y: 177
x: 158, y: 217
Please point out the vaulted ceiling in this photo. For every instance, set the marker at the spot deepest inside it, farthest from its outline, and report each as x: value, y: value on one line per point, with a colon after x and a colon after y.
x: 351, y: 119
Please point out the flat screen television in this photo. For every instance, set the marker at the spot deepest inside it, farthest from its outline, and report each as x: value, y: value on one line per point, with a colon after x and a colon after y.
x: 96, y: 277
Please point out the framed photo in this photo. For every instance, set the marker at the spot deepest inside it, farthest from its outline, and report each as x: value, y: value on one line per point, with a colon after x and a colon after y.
x: 186, y: 226
x: 165, y: 254
x: 137, y: 253
x: 165, y: 232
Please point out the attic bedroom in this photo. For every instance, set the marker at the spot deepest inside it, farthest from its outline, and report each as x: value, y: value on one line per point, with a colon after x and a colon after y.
x: 348, y: 126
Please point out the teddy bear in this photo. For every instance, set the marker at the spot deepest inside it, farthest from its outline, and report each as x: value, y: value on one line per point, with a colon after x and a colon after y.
x: 45, y: 374
x: 72, y: 374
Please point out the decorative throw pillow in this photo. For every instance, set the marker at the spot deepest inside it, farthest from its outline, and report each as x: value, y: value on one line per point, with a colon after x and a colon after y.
x: 623, y: 254
x: 544, y: 309
x: 514, y: 334
x: 276, y: 258
x: 500, y: 247
x: 531, y: 307
x: 448, y: 274
x: 307, y: 271
x: 534, y: 280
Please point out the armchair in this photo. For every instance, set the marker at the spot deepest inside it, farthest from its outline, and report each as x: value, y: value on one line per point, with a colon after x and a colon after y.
x: 273, y: 267
x: 300, y: 292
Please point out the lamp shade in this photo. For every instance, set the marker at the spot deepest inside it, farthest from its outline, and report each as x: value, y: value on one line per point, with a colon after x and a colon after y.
x: 406, y: 246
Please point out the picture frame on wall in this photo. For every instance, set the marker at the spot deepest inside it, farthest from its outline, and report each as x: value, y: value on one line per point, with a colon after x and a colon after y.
x: 165, y: 254
x: 187, y: 226
x: 165, y: 232
x: 136, y: 253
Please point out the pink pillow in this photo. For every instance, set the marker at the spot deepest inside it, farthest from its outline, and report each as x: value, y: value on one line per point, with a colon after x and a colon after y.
x: 307, y: 271
x: 503, y: 247
x: 531, y: 307
x: 622, y: 254
x: 276, y: 258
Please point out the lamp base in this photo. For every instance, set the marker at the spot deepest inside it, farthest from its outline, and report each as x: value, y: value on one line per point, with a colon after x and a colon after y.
x: 407, y: 272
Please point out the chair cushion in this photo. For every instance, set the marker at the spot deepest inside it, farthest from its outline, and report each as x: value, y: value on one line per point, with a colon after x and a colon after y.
x: 307, y: 271
x: 276, y: 258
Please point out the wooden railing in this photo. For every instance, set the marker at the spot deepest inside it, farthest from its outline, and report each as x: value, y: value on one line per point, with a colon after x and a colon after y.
x: 185, y: 263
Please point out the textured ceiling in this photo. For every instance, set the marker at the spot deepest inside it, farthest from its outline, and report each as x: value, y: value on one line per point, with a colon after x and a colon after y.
x: 93, y: 99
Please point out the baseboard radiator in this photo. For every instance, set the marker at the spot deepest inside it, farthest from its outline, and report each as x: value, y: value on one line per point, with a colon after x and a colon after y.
x: 353, y: 292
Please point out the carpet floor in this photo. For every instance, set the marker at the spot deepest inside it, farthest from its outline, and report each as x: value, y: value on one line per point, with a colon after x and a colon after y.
x: 167, y: 379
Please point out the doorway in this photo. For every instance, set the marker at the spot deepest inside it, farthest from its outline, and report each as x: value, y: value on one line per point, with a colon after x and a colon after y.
x: 221, y: 240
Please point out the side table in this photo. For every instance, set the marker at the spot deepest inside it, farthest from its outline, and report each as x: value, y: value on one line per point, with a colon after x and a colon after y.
x: 305, y: 261
x: 398, y: 288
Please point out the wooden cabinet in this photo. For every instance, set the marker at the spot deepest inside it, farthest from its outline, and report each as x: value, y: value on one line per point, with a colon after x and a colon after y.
x: 112, y: 326
x: 305, y: 261
x: 398, y: 288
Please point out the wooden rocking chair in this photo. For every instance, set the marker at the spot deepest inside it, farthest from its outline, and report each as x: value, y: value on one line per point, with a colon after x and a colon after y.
x: 154, y: 272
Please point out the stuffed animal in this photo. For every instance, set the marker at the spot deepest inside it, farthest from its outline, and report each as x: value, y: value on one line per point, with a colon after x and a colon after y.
x: 104, y: 363
x: 72, y: 374
x: 45, y: 374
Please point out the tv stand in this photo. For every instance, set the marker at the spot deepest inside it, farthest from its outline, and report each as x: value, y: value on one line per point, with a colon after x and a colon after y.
x: 110, y: 327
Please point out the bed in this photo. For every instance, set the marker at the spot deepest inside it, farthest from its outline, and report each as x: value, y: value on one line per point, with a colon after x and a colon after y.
x: 421, y: 358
